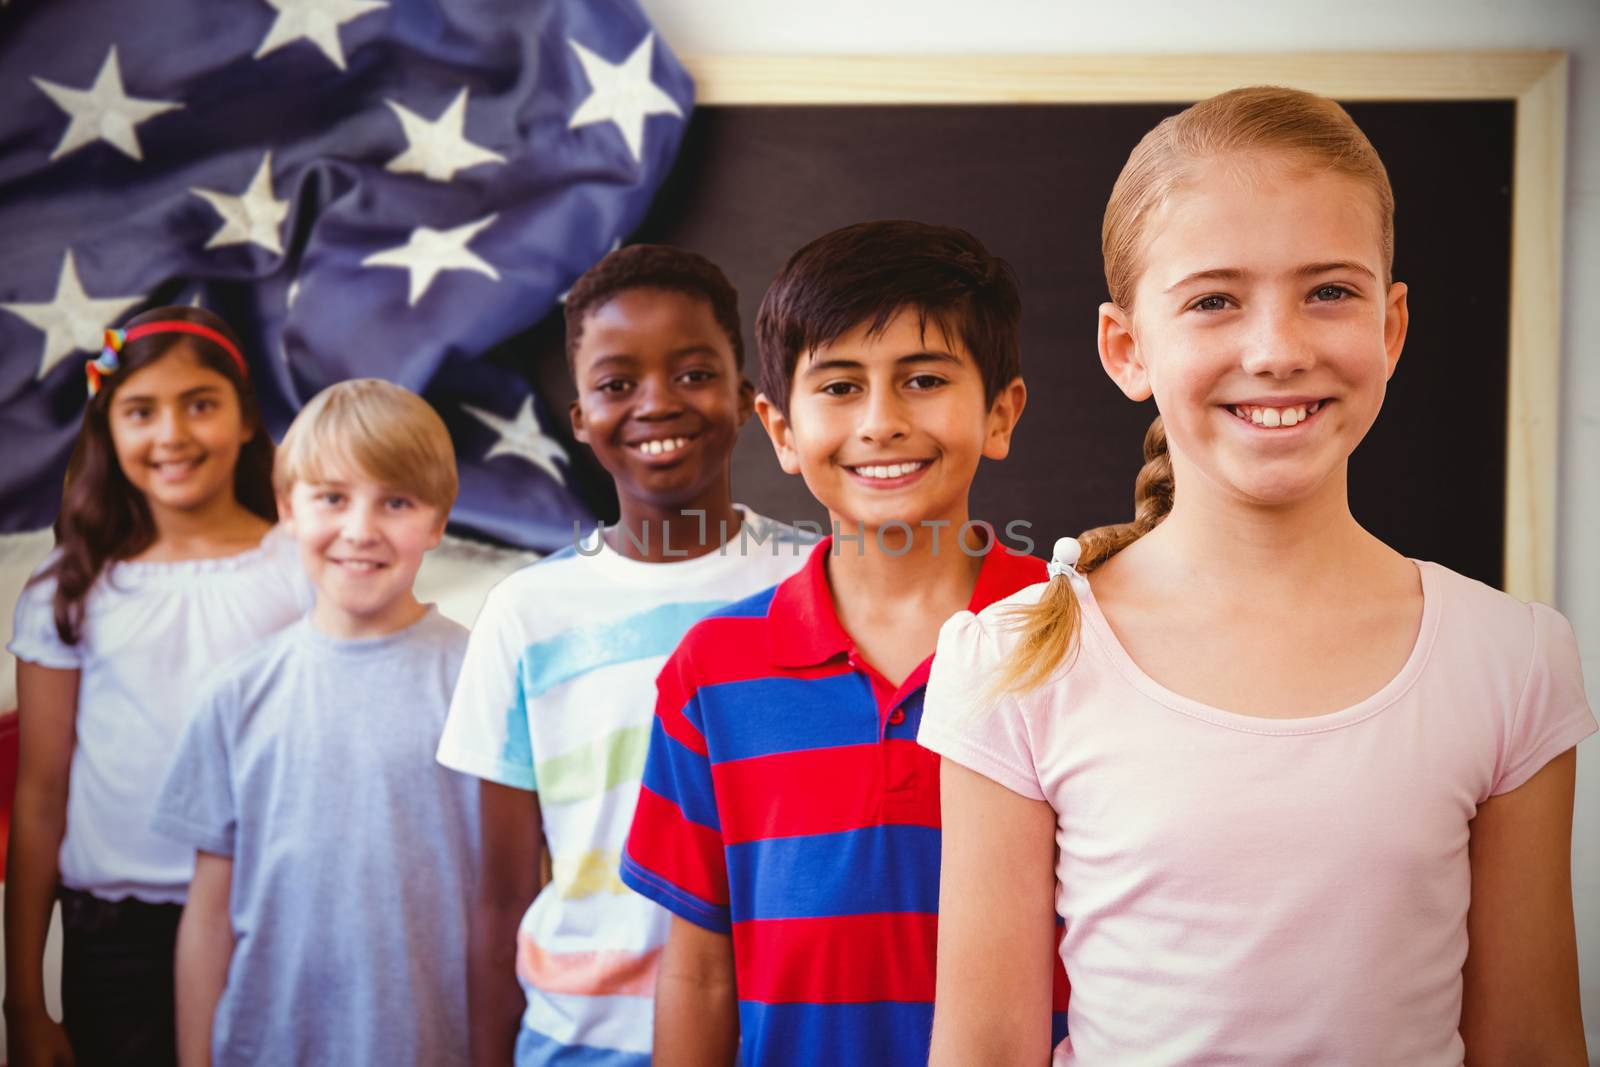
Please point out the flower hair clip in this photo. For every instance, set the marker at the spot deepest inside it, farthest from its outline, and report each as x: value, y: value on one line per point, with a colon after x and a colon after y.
x: 1064, y: 561
x: 107, y: 362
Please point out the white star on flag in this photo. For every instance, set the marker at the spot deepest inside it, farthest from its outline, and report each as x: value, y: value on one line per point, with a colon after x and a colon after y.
x: 253, y: 218
x: 429, y: 251
x: 72, y: 320
x: 103, y: 112
x: 318, y: 21
x: 439, y: 148
x: 523, y: 437
x: 622, y: 94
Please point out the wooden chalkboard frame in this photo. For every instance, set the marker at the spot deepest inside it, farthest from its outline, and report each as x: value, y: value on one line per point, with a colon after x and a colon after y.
x: 1535, y: 81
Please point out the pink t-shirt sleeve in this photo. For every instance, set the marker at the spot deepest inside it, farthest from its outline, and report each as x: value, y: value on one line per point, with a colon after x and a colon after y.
x: 1552, y: 714
x: 963, y: 721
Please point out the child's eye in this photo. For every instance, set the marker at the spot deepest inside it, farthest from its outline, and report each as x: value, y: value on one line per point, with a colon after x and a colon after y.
x: 398, y: 503
x: 925, y: 381
x: 1329, y: 294
x: 328, y: 496
x: 838, y: 388
x: 698, y: 377
x: 1210, y: 303
x: 614, y: 386
x: 204, y: 404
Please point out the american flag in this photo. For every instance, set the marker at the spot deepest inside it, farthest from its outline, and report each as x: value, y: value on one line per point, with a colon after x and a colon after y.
x: 385, y: 188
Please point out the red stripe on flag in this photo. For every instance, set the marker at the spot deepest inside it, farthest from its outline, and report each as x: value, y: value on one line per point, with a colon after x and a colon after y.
x: 841, y: 959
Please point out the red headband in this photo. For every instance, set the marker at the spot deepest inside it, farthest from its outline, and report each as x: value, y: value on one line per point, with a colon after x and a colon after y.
x: 181, y: 326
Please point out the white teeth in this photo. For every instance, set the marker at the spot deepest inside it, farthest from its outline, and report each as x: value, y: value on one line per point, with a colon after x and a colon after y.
x: 888, y: 470
x: 663, y: 446
x: 1272, y: 418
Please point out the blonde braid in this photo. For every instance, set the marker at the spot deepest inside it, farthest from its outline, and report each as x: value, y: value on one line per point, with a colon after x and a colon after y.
x: 1049, y: 627
x: 1152, y: 500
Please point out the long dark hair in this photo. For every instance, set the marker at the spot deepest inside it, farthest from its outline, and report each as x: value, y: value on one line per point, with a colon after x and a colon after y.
x: 104, y: 518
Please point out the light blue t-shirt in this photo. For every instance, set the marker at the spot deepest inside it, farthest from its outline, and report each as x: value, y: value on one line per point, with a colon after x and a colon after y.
x: 310, y: 762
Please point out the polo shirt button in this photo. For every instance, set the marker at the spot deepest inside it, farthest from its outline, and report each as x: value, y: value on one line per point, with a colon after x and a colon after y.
x: 897, y: 716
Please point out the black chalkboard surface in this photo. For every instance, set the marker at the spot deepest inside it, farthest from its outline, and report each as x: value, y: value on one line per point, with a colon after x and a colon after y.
x: 753, y: 183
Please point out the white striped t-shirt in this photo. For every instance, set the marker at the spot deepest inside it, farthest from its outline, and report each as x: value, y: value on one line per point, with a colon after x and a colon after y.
x: 557, y: 694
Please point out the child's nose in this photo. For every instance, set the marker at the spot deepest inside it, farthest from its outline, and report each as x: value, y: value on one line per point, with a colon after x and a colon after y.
x: 657, y: 398
x: 884, y: 417
x: 1278, y: 347
x: 360, y: 525
x: 171, y: 425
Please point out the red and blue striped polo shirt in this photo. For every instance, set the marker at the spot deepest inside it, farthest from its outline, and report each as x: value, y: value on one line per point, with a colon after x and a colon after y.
x: 787, y: 803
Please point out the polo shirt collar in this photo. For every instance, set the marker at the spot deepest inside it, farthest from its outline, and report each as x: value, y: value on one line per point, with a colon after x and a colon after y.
x: 804, y: 624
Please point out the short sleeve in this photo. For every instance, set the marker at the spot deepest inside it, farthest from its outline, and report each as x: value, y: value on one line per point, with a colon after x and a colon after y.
x: 486, y: 733
x: 1553, y: 713
x: 33, y: 628
x: 674, y: 854
x: 284, y: 551
x: 197, y: 806
x: 964, y: 721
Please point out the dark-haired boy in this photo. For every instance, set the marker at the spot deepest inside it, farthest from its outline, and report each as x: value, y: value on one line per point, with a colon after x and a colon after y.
x: 788, y: 818
x: 553, y: 708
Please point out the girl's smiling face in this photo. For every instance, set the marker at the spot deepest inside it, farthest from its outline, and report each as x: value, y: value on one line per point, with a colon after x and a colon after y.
x: 1263, y: 326
x: 177, y: 428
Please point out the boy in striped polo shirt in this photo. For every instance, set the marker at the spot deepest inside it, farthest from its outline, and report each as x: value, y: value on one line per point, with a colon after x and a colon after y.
x: 788, y: 819
x: 553, y: 708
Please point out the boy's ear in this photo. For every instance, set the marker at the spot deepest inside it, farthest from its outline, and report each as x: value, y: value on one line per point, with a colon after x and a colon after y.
x: 1002, y: 420
x: 776, y: 423
x: 1396, y: 321
x: 580, y: 432
x: 285, y: 511
x: 438, y: 530
x: 747, y: 395
x: 1119, y: 352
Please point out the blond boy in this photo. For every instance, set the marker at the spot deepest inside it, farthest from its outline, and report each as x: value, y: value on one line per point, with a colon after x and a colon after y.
x: 327, y: 919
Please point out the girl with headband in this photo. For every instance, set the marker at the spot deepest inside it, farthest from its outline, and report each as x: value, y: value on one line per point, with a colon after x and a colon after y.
x: 164, y: 564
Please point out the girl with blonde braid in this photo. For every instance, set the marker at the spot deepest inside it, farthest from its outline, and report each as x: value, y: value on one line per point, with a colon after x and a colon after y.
x: 1298, y: 798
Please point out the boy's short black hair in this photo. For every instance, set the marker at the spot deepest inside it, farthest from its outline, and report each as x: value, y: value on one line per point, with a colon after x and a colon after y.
x: 654, y: 267
x: 866, y: 273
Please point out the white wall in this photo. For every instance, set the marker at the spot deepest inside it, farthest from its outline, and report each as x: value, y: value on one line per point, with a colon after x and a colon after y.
x: 1050, y: 26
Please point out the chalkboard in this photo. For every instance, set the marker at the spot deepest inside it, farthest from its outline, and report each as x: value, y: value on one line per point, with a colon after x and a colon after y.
x: 754, y: 181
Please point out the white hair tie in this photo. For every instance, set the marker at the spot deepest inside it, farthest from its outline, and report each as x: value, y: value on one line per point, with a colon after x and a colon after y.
x: 1064, y: 561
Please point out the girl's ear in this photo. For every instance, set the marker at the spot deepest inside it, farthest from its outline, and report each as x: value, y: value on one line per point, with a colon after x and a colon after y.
x: 776, y: 423
x: 285, y: 510
x: 1119, y: 352
x: 1396, y: 320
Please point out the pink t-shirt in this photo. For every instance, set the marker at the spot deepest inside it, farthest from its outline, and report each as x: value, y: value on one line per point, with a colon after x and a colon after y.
x: 1240, y: 889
